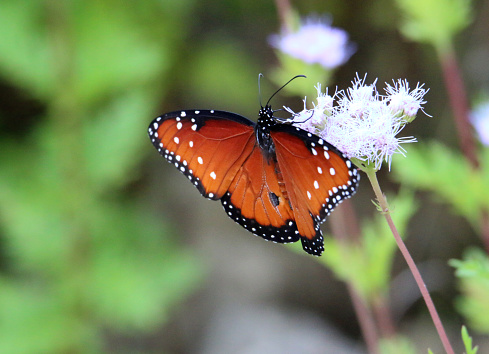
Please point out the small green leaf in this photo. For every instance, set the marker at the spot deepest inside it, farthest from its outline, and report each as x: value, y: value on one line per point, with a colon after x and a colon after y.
x: 426, y: 168
x: 367, y: 264
x: 468, y: 342
x: 434, y: 21
x: 473, y: 274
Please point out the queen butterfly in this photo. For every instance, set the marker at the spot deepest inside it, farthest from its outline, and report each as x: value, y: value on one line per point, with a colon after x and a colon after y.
x: 276, y: 180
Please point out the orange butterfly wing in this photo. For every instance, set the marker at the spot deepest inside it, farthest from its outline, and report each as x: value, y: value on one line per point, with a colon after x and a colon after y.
x: 258, y: 201
x: 204, y: 149
x: 317, y: 177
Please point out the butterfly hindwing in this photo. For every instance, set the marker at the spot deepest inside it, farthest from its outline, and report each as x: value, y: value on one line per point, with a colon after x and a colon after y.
x: 258, y: 201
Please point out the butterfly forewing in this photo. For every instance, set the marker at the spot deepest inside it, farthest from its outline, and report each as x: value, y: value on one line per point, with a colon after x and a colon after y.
x: 208, y: 147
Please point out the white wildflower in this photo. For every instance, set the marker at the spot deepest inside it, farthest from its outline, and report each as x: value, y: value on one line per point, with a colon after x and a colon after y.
x: 364, y: 124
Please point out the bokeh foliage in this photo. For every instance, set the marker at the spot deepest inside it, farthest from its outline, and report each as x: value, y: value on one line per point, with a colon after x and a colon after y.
x: 81, y: 256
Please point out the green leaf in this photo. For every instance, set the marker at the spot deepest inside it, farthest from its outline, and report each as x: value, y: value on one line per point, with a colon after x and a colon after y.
x: 137, y: 275
x: 112, y: 52
x: 35, y: 319
x: 468, y: 342
x: 289, y: 67
x: 367, y: 264
x: 432, y: 167
x: 396, y: 345
x: 32, y: 205
x: 115, y: 139
x: 434, y: 21
x: 473, y: 274
x: 221, y: 58
x: 24, y: 49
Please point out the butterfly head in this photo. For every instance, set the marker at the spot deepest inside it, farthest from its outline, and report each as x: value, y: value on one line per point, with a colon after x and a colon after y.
x: 266, y: 120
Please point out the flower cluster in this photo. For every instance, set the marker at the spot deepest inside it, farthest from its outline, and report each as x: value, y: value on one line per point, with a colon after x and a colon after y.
x: 364, y: 124
x: 315, y: 42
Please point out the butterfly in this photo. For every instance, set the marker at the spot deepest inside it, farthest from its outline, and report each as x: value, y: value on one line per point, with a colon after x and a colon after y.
x: 276, y: 180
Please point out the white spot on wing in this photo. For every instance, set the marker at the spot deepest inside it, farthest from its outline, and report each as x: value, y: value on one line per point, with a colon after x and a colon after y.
x: 179, y: 125
x: 213, y: 175
x: 320, y: 170
x: 309, y: 195
x: 191, y: 143
x: 200, y: 160
x: 316, y: 184
x: 176, y: 140
x: 194, y: 127
x: 332, y: 171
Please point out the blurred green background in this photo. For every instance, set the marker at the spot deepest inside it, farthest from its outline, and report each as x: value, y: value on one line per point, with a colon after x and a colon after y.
x: 104, y: 247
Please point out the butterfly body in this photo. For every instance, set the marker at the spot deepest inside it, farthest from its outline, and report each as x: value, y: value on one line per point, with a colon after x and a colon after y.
x: 277, y: 181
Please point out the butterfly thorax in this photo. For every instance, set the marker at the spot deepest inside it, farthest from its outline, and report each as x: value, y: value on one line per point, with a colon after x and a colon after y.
x: 262, y: 132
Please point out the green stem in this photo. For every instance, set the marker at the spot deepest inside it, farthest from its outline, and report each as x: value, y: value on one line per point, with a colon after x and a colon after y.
x: 371, y: 173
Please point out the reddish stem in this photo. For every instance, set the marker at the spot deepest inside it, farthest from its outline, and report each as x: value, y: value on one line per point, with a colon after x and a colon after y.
x: 460, y: 105
x: 365, y: 320
x: 345, y: 228
x: 410, y: 262
x: 284, y: 13
x: 383, y: 316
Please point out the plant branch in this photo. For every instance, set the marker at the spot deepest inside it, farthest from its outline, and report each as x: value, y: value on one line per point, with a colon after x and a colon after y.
x: 409, y: 260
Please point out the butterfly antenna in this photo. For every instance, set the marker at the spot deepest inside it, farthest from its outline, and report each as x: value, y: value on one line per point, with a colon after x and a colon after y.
x: 260, y: 75
x: 295, y: 77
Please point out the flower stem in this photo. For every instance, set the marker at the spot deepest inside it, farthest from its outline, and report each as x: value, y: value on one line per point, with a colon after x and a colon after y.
x: 365, y: 320
x: 460, y: 105
x: 284, y: 13
x: 344, y: 227
x: 371, y: 173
